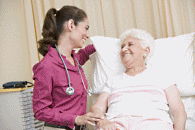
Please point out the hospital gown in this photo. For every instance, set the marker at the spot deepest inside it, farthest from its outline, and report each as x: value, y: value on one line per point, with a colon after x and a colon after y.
x: 134, y: 99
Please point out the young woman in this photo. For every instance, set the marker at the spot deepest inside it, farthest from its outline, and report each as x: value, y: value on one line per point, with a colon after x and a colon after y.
x: 60, y: 88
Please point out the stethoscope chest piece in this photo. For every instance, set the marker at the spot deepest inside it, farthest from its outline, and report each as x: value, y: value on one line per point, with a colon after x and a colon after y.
x: 70, y: 90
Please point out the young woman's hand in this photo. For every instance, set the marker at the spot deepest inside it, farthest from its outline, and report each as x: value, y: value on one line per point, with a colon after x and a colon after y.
x: 88, y: 119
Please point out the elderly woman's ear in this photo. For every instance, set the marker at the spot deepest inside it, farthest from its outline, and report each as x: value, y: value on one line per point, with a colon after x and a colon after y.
x: 146, y: 52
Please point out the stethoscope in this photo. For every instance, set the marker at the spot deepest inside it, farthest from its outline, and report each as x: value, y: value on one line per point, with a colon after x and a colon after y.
x: 70, y: 90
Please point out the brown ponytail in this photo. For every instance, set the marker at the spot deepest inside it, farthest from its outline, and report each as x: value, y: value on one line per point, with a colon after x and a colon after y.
x: 49, y: 32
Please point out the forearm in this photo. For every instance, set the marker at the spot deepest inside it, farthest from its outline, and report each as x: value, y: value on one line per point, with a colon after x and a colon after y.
x: 180, y: 120
x: 102, y: 123
x: 176, y: 106
x: 97, y: 110
x: 84, y: 53
x: 100, y: 105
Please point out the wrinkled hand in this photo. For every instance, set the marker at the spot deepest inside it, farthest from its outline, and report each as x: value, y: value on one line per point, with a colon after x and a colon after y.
x: 106, y: 125
x: 88, y: 119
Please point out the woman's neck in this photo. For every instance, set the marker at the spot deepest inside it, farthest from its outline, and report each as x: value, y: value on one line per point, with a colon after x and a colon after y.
x: 65, y: 47
x: 65, y: 50
x: 133, y: 71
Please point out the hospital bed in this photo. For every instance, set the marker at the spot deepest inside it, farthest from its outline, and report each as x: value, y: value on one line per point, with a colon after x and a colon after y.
x: 176, y: 55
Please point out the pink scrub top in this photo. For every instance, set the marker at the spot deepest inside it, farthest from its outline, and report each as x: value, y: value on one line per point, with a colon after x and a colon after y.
x: 50, y: 101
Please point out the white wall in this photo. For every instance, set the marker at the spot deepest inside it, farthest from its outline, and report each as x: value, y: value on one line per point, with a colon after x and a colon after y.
x: 14, y: 53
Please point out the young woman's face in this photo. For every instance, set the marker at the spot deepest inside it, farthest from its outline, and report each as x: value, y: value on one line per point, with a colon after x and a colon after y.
x: 80, y: 33
x: 131, y: 52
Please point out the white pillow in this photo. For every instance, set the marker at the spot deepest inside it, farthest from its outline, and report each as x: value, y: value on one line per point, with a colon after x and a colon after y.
x: 174, y: 56
x: 105, y: 62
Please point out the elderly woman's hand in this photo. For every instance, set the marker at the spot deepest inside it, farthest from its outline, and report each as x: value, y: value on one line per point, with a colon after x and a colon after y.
x: 88, y: 119
x: 106, y: 125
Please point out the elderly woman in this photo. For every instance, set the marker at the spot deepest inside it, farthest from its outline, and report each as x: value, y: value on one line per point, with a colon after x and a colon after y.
x: 141, y: 97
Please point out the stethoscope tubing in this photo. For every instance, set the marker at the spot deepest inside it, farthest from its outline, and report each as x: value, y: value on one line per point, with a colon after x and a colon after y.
x: 69, y: 82
x: 64, y: 66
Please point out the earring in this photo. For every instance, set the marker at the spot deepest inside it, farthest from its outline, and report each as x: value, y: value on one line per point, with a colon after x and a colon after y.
x: 145, y: 55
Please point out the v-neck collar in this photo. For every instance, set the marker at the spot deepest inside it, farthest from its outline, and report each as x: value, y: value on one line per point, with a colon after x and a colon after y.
x: 52, y: 52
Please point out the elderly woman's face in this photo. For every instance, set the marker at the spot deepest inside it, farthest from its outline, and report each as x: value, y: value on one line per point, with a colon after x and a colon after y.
x: 131, y: 51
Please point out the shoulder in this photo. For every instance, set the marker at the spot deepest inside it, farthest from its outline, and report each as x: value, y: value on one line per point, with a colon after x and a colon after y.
x: 45, y: 64
x: 120, y: 75
x: 91, y: 47
x: 162, y: 78
x: 117, y: 77
x: 115, y: 80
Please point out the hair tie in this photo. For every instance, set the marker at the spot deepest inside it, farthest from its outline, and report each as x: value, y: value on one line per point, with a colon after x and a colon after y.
x: 55, y: 13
